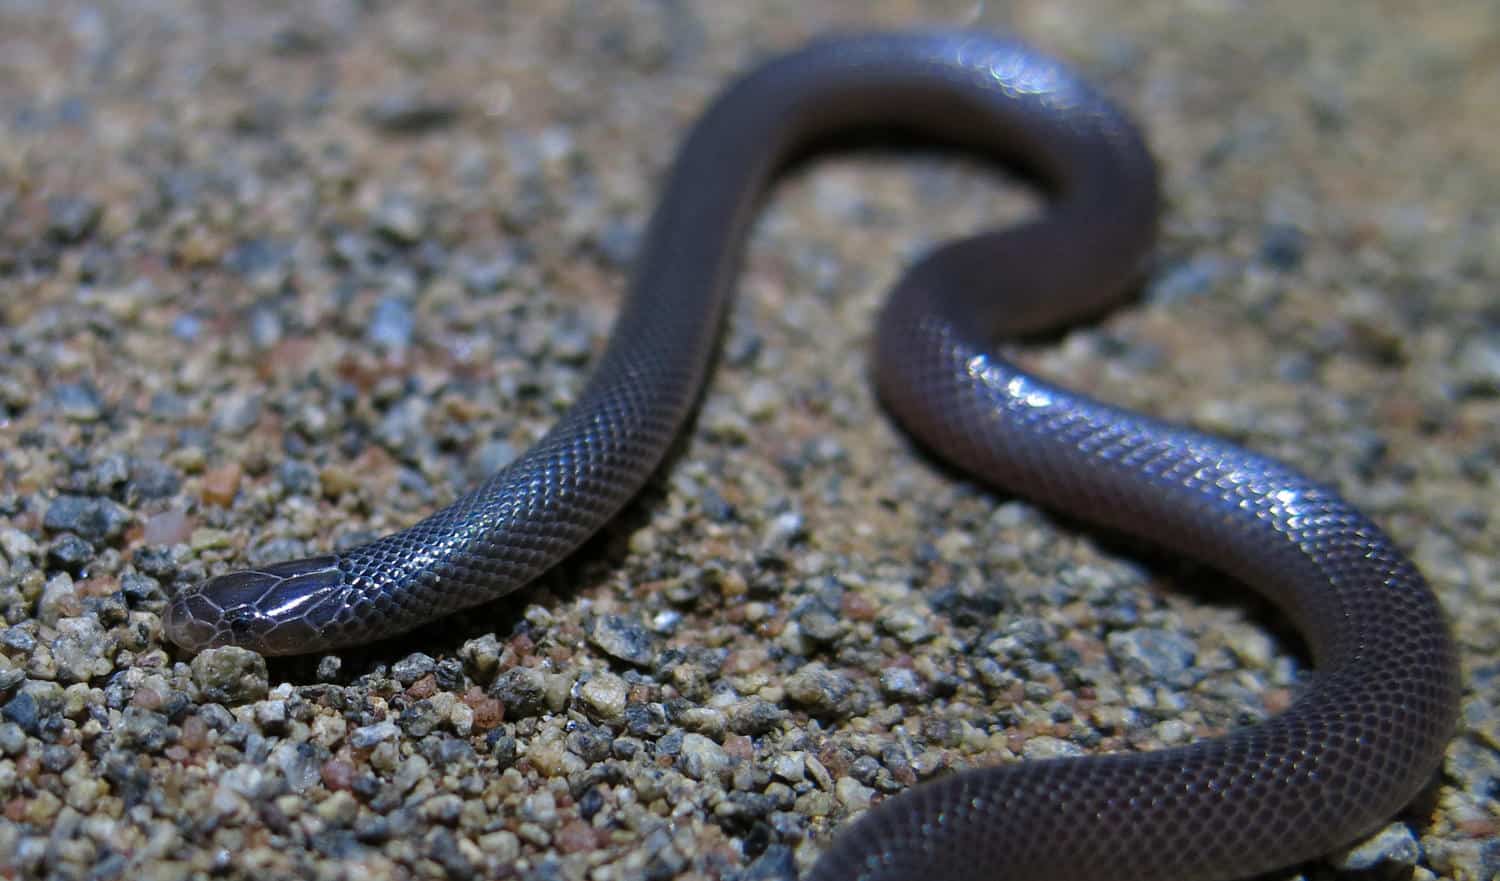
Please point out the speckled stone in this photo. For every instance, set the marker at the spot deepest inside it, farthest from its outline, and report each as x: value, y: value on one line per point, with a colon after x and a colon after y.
x: 230, y: 675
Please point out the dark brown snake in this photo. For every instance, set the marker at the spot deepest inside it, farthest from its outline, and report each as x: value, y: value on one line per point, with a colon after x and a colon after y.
x: 1363, y: 737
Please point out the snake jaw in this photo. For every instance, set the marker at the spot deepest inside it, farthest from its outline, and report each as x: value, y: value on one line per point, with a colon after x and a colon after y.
x: 269, y: 610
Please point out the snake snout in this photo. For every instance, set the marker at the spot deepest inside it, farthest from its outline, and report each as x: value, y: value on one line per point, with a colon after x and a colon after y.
x: 267, y: 610
x: 182, y: 624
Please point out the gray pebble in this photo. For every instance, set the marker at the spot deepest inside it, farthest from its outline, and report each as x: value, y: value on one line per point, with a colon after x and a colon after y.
x: 186, y: 327
x: 702, y: 759
x: 368, y: 736
x: 1159, y: 655
x: 57, y: 758
x: 412, y: 667
x: 1282, y: 246
x: 902, y: 684
x: 450, y: 752
x: 136, y: 588
x: 404, y: 429
x: 297, y: 478
x: 299, y: 38
x: 313, y: 421
x: 143, y: 730
x: 444, y: 809
x: 12, y: 739
x: 266, y: 327
x: 623, y: 638
x: 17, y: 545
x: 691, y: 681
x: 15, y: 394
x: 252, y: 257
x: 78, y: 401
x: 59, y: 597
x: 481, y: 656
x: 540, y: 809
x: 820, y: 625
x: 788, y: 527
x: 820, y: 690
x: 420, y: 719
x: 108, y: 473
x: 24, y: 711
x: 299, y: 764
x: 83, y: 650
x: 618, y: 240
x: 487, y: 276
x: 70, y: 553
x: 522, y: 690
x: 230, y: 675
x: 411, y: 113
x: 156, y: 562
x: 169, y: 407
x: 152, y: 479
x: 1192, y: 278
x: 71, y: 218
x: 1391, y: 852
x: 328, y: 668
x: 271, y: 716
x: 603, y: 696
x: 401, y: 217
x: 666, y: 861
x: 504, y: 748
x: 645, y: 720
x: 1478, y: 364
x: 392, y: 325
x: 236, y: 413
x: 570, y: 343
x: 92, y: 518
x: 776, y: 863
x: 754, y: 717
x: 216, y: 716
x: 29, y: 854
x: 1044, y: 747
x: 17, y: 640
x: 492, y: 457
x: 906, y: 624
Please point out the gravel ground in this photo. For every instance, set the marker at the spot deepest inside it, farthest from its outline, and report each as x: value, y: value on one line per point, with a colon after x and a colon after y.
x: 281, y: 277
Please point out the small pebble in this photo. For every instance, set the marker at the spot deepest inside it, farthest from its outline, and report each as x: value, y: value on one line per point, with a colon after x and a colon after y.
x: 623, y: 638
x: 230, y: 675
x: 604, y: 695
x: 522, y: 691
x: 1156, y: 654
x: 1391, y: 851
x: 72, y: 218
x: 820, y: 690
x: 402, y: 113
x: 701, y: 758
x: 93, y: 519
x: 219, y: 485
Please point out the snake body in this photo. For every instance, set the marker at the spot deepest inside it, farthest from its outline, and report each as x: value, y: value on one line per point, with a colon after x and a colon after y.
x: 1364, y: 736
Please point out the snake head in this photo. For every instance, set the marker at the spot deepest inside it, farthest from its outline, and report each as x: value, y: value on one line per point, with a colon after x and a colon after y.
x: 275, y: 610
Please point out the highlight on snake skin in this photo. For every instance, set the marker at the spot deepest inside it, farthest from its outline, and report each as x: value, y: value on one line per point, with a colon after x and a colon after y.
x: 1360, y: 741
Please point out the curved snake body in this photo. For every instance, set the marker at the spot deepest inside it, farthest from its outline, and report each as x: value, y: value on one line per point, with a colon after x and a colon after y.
x: 1353, y: 748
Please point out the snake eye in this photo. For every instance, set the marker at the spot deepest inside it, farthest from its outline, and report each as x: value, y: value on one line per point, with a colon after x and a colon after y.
x: 241, y: 622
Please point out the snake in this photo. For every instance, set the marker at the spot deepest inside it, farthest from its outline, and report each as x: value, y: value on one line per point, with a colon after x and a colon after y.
x: 1368, y: 727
